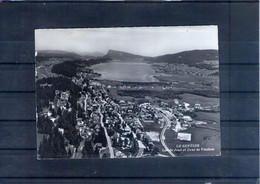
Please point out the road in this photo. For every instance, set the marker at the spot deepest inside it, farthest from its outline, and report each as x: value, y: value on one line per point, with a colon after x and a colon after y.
x: 85, y: 102
x: 42, y: 74
x: 109, y: 144
x: 120, y: 117
x: 139, y: 122
x: 140, y: 153
x: 44, y: 68
x: 38, y: 71
x: 162, y: 137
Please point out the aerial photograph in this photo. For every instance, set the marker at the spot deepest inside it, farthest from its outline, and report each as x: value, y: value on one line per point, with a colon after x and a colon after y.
x: 127, y: 92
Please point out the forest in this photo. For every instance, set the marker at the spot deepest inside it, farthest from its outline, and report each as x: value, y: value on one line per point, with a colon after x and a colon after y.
x: 70, y: 68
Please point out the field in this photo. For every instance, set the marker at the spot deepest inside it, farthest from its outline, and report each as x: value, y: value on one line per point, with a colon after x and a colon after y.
x: 210, y: 116
x: 205, y: 137
x: 44, y: 67
x: 204, y: 101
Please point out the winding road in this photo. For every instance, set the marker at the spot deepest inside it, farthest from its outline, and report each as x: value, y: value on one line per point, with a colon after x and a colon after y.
x: 38, y: 72
x: 162, y: 137
x: 109, y: 144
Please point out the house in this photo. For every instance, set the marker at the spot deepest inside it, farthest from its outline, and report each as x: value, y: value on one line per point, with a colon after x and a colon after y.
x: 186, y: 105
x: 197, y: 106
x: 46, y: 112
x: 126, y: 106
x: 86, y: 133
x: 57, y: 92
x: 53, y: 119
x: 187, y: 118
x: 61, y: 103
x: 81, y: 102
x: 184, y: 136
x: 65, y: 95
x: 176, y: 101
x: 127, y: 128
x: 61, y: 130
x: 80, y: 122
x: 147, y: 121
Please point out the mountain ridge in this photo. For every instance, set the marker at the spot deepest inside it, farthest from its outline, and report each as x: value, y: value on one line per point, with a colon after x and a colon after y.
x: 114, y: 54
x: 60, y: 53
x: 194, y: 58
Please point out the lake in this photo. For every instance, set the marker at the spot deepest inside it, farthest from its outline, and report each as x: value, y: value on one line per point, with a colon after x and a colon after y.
x: 126, y: 71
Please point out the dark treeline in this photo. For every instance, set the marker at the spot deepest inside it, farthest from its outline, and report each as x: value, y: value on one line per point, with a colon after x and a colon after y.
x: 70, y: 68
x: 215, y: 74
x: 205, y: 93
x: 166, y: 94
x: 44, y: 125
x: 67, y: 121
x: 53, y: 145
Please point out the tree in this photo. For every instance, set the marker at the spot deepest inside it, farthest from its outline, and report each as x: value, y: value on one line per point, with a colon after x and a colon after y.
x: 134, y: 147
x: 53, y: 147
x: 59, y: 112
x: 44, y: 125
x: 88, y: 150
x: 155, y: 151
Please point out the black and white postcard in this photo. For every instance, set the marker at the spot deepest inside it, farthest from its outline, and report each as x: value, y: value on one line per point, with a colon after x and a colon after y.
x: 132, y: 92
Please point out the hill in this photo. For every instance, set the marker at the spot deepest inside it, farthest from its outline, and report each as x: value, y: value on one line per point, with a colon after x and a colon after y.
x: 196, y: 58
x: 205, y: 59
x: 57, y: 53
x: 119, y: 55
x: 46, y: 54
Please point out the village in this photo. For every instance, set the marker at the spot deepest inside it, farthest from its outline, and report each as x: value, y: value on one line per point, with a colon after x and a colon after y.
x: 117, y: 128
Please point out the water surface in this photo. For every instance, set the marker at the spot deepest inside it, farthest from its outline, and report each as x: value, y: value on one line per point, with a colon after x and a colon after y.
x: 126, y: 71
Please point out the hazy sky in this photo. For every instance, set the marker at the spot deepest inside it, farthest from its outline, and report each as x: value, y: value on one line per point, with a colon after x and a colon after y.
x: 146, y: 41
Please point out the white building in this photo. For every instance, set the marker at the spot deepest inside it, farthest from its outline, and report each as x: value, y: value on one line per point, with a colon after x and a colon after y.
x: 184, y: 136
x: 187, y: 118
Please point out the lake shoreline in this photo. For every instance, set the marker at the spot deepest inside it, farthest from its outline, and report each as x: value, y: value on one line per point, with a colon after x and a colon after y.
x: 126, y: 71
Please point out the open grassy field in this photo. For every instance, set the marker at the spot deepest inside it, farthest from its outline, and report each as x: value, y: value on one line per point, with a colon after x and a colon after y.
x: 187, y: 78
x: 208, y: 116
x: 205, y: 137
x: 194, y: 99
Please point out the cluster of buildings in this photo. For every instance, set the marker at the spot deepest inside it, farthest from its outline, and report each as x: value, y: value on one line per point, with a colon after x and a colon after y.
x: 125, y: 120
x: 96, y: 110
x: 61, y: 100
x: 120, y: 124
x: 181, y: 69
x: 60, y: 103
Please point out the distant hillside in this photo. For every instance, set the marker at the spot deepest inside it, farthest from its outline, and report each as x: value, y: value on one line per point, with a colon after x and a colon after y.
x: 92, y: 54
x: 207, y: 59
x: 194, y: 58
x: 45, y: 54
x: 113, y: 54
x: 56, y: 53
